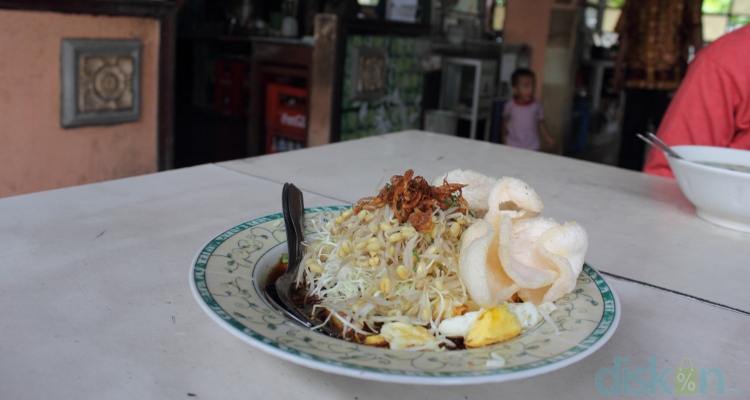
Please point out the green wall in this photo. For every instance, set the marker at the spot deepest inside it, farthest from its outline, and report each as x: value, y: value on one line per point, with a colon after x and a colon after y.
x: 399, y: 108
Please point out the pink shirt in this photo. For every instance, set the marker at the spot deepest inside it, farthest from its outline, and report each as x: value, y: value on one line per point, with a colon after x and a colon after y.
x: 712, y: 105
x: 523, y: 124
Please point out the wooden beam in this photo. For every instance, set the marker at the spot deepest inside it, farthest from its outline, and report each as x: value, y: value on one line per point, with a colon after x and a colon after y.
x: 322, y: 103
x: 166, y: 115
x: 139, y: 8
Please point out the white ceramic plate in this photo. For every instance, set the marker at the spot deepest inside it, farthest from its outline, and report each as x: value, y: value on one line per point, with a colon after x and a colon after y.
x: 227, y: 276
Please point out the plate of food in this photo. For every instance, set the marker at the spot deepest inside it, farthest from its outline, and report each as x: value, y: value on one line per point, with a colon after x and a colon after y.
x: 457, y: 281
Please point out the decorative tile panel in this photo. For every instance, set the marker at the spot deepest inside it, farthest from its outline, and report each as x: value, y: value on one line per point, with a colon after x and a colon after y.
x: 100, y: 81
x: 369, y: 73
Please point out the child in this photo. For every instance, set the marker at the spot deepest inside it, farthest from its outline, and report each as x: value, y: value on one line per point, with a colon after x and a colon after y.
x: 523, y: 119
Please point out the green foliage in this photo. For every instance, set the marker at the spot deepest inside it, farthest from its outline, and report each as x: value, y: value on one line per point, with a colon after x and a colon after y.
x: 738, y: 21
x: 716, y: 6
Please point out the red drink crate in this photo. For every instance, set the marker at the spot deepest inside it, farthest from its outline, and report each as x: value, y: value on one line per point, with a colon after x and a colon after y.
x: 279, y: 141
x: 286, y: 110
x: 232, y: 92
x: 232, y: 102
x: 232, y: 73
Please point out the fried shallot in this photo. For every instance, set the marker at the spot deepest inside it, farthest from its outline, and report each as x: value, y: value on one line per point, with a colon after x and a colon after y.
x: 413, y: 199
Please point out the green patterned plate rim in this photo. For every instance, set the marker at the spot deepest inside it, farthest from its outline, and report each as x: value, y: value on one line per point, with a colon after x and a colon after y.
x: 227, y: 274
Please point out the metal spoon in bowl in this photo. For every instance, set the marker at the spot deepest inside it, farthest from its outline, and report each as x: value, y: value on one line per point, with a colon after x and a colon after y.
x: 280, y: 292
x: 659, y: 144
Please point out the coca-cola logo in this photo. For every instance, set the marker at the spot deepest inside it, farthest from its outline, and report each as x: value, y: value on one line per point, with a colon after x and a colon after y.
x: 296, y: 121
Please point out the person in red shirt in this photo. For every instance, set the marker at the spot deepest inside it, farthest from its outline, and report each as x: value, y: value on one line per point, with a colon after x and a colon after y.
x: 712, y: 105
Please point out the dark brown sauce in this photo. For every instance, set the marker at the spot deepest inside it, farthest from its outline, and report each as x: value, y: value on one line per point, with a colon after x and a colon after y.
x: 459, y: 342
x: 300, y: 299
x: 276, y: 271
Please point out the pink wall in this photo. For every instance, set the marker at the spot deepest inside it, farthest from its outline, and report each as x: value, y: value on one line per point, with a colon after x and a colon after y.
x: 35, y: 152
x: 527, y: 21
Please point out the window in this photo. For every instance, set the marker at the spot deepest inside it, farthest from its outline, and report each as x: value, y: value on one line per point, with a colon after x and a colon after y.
x: 498, y: 16
x: 723, y: 16
x: 719, y: 17
x: 601, y: 16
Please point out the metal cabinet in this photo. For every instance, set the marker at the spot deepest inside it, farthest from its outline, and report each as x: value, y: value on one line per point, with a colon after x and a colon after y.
x: 468, y: 88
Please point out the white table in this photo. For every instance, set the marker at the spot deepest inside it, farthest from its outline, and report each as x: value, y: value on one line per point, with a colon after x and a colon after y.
x: 95, y: 301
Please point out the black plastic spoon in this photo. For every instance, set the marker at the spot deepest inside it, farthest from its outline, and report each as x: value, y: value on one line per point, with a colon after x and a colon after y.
x: 280, y: 292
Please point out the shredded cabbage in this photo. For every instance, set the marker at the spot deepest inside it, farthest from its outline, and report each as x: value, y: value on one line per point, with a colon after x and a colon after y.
x: 408, y: 276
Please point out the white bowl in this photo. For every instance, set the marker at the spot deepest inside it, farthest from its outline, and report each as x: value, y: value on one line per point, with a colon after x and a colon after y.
x: 721, y: 196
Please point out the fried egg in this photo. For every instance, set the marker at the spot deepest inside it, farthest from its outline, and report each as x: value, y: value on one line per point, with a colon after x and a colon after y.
x: 402, y: 335
x: 488, y: 326
x: 495, y: 325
